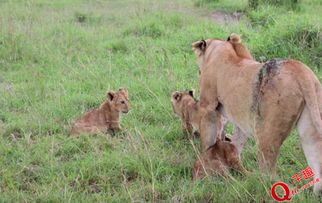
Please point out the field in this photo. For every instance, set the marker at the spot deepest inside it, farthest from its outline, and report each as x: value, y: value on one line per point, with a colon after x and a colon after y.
x: 59, y: 58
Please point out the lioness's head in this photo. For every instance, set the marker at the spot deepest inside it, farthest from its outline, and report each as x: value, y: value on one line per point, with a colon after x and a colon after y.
x: 232, y: 48
x: 119, y: 100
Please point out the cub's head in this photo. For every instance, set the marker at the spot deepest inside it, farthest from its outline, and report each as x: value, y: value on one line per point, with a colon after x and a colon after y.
x: 215, y: 159
x: 119, y: 100
x: 181, y: 100
x: 185, y: 106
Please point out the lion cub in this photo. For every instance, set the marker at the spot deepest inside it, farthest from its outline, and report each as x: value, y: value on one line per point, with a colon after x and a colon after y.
x: 218, y: 159
x: 187, y: 108
x: 106, y: 117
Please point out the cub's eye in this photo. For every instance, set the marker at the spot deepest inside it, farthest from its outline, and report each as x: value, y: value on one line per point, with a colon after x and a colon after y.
x: 122, y: 102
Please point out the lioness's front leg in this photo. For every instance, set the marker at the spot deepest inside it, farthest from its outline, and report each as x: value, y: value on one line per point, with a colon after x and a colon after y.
x: 239, y: 139
x: 208, y: 127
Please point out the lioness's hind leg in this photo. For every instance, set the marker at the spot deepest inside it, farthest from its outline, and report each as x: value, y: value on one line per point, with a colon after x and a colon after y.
x: 311, y: 142
x: 278, y: 112
x: 269, y: 142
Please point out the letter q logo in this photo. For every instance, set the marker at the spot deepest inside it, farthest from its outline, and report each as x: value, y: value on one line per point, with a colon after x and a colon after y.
x: 286, y: 196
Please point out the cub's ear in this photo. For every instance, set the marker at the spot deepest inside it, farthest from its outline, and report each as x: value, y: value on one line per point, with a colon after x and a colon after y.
x: 124, y: 89
x: 176, y: 96
x: 191, y: 92
x: 234, y: 38
x: 199, y: 46
x: 110, y: 95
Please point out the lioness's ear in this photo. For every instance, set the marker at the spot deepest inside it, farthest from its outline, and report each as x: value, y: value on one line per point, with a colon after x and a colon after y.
x: 110, y: 95
x: 176, y: 96
x: 199, y: 45
x: 239, y: 48
x: 191, y: 92
x: 234, y: 38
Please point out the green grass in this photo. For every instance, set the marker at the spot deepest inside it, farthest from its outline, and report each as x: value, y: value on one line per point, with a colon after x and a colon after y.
x: 58, y: 59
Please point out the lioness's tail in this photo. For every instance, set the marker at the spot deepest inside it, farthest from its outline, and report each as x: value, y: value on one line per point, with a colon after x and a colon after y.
x: 312, y: 93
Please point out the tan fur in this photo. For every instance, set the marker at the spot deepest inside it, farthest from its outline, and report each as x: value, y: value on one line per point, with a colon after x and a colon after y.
x: 264, y: 100
x: 240, y: 49
x: 187, y: 108
x: 106, y: 117
x: 218, y: 159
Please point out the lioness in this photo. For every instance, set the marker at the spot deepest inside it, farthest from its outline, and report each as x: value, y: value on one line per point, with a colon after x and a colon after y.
x: 218, y: 158
x: 106, y: 117
x: 187, y: 108
x: 262, y: 99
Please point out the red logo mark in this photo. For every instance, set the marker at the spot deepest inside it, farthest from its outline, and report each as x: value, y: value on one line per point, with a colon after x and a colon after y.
x: 286, y: 195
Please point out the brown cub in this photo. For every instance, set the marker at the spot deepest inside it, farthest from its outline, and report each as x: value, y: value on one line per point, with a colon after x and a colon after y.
x: 218, y: 159
x: 106, y: 118
x: 187, y: 108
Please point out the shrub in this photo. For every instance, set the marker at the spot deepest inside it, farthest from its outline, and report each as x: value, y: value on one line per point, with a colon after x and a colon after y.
x: 261, y: 17
x: 253, y: 4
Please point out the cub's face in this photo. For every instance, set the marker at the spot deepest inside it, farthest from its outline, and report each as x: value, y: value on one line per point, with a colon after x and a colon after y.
x: 215, y: 160
x: 179, y: 100
x: 119, y: 100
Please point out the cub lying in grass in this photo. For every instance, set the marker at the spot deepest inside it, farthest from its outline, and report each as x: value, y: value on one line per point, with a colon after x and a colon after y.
x: 187, y: 108
x: 106, y: 118
x: 218, y: 159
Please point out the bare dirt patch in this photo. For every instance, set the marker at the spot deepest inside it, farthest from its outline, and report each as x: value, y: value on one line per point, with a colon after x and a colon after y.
x: 224, y: 17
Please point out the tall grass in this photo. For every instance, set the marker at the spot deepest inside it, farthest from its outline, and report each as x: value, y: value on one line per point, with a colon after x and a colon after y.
x: 58, y: 58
